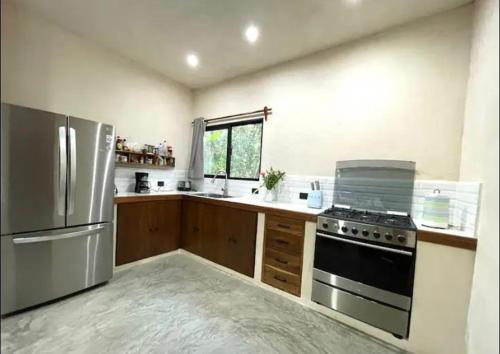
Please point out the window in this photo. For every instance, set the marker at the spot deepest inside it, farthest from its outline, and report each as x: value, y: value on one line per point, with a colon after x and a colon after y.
x: 235, y: 148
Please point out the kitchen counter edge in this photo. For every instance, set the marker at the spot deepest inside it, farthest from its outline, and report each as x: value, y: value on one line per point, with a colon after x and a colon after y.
x: 240, y: 203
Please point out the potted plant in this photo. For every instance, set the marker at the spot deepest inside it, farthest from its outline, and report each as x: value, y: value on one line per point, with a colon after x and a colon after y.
x: 271, y: 179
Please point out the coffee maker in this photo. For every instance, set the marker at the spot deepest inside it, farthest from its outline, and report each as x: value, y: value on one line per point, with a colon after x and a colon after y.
x: 141, y: 182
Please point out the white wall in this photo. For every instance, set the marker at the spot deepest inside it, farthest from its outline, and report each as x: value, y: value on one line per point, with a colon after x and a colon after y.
x: 47, y: 67
x: 397, y: 95
x: 480, y: 162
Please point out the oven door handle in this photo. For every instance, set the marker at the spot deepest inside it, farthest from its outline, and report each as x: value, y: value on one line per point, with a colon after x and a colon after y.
x: 369, y: 245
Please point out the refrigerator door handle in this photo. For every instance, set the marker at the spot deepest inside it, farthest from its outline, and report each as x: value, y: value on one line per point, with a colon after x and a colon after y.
x: 90, y: 230
x: 61, y: 196
x: 72, y: 172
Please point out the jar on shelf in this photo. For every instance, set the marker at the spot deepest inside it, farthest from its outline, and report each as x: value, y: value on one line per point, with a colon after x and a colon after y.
x: 119, y: 143
x: 170, y: 151
x: 163, y: 150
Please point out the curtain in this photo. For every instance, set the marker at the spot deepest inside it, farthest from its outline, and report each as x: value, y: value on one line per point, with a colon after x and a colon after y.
x: 195, y: 172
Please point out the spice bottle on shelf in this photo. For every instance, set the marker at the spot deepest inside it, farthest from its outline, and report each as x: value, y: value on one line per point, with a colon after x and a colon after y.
x: 164, y: 146
x: 119, y: 143
x: 170, y: 151
x: 125, y: 146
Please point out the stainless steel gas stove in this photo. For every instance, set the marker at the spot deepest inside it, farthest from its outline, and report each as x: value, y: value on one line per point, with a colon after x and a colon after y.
x: 365, y: 259
x: 391, y: 229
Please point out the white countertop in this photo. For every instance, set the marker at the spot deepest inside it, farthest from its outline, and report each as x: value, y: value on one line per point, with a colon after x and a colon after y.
x: 250, y: 200
x: 449, y: 231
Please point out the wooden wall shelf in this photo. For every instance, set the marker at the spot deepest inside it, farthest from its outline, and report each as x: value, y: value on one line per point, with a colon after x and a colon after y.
x: 155, y: 157
x: 142, y: 165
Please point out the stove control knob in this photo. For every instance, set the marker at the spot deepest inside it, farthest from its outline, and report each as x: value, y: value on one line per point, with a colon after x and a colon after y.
x: 401, y: 238
x: 344, y: 229
x: 354, y: 231
x: 365, y: 232
x: 388, y: 236
x: 376, y: 234
x: 325, y: 225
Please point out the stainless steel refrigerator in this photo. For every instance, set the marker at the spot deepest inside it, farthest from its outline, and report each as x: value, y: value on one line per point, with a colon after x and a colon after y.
x: 57, y: 187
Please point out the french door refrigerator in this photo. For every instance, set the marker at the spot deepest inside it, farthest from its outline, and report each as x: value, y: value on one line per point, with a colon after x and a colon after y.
x: 57, y: 186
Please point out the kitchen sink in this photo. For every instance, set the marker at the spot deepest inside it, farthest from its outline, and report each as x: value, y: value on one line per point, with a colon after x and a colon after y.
x: 213, y: 195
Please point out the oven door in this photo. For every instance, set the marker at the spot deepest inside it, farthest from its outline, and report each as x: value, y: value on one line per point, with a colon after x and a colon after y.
x: 373, y: 271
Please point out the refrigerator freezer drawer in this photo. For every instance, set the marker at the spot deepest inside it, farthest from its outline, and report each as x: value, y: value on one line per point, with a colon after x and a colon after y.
x: 43, y: 266
x: 384, y: 317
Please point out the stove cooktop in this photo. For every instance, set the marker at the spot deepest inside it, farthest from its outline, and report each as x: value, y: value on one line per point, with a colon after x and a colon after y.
x: 363, y: 216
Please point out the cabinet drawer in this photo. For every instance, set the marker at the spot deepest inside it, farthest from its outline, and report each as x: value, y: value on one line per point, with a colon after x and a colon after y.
x: 284, y: 261
x: 280, y: 241
x: 281, y: 280
x: 283, y: 224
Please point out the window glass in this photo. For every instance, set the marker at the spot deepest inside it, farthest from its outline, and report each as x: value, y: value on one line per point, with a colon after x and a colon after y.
x: 215, y: 151
x: 246, y: 143
x: 236, y: 147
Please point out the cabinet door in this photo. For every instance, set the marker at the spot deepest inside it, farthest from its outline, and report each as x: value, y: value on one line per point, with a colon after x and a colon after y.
x: 165, y: 226
x: 147, y: 229
x: 214, y: 239
x: 241, y: 229
x: 191, y: 227
x: 132, y: 232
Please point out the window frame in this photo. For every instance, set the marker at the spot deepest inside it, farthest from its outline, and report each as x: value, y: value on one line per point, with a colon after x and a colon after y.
x: 229, y: 127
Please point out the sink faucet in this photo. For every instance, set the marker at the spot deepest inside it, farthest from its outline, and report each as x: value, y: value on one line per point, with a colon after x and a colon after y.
x: 224, y: 189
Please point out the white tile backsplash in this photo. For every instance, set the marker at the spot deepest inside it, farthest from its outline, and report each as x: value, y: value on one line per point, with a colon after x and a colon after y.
x: 464, y: 196
x: 125, y: 178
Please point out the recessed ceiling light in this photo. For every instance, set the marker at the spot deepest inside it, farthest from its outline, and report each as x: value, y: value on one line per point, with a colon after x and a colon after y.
x: 353, y: 2
x: 252, y: 33
x: 192, y: 60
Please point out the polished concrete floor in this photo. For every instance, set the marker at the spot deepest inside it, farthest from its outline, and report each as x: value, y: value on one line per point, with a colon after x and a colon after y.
x: 177, y: 304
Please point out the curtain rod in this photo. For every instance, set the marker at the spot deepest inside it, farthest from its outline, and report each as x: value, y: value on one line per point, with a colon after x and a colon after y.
x: 265, y: 111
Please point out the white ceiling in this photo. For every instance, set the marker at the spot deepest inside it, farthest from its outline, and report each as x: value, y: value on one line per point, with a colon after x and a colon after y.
x: 160, y: 33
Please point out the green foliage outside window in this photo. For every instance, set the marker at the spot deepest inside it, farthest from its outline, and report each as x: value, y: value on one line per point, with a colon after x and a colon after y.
x: 244, y: 150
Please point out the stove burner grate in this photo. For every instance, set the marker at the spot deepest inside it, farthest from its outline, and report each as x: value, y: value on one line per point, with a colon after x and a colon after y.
x: 371, y: 217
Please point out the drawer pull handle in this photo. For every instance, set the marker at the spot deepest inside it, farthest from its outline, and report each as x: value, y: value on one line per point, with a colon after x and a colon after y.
x: 279, y: 260
x: 196, y: 229
x: 283, y: 242
x: 280, y: 279
x: 283, y: 226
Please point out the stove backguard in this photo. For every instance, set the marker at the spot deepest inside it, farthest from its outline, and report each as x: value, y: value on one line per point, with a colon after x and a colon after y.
x: 375, y: 185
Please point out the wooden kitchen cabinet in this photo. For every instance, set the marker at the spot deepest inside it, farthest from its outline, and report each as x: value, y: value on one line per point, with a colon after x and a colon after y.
x: 241, y: 232
x: 283, y: 253
x: 146, y: 229
x: 223, y: 235
x: 191, y: 227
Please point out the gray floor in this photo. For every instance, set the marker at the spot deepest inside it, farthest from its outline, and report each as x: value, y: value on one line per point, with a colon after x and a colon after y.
x: 179, y: 305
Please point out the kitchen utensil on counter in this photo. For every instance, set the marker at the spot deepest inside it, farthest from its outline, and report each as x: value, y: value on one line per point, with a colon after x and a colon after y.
x: 184, y: 186
x: 315, y: 196
x: 142, y: 184
x: 436, y: 210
